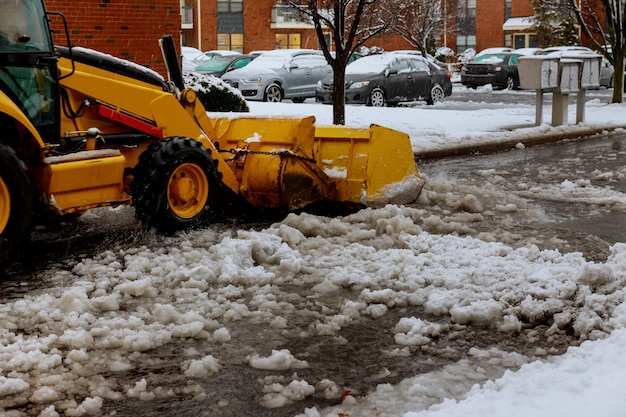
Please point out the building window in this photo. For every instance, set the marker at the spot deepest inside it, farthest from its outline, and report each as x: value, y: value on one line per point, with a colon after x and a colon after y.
x: 466, y: 24
x: 288, y: 40
x: 466, y: 9
x: 230, y: 41
x: 187, y: 15
x: 525, y: 40
x: 464, y: 42
x: 230, y: 6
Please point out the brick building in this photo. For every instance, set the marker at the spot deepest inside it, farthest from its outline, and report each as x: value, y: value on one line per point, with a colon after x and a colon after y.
x: 246, y: 25
x: 122, y: 28
x: 131, y: 29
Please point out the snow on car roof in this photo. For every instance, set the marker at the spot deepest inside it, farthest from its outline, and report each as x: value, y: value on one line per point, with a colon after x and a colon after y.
x: 560, y: 50
x: 372, y: 64
x: 489, y: 59
x: 276, y: 59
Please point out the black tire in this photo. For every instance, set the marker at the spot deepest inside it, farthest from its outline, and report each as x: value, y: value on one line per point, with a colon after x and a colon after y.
x: 436, y: 95
x: 273, y: 93
x: 17, y: 198
x: 176, y: 185
x: 377, y: 98
x: 510, y: 83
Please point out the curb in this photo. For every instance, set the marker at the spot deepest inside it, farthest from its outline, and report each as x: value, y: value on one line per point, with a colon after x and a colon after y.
x: 494, y: 147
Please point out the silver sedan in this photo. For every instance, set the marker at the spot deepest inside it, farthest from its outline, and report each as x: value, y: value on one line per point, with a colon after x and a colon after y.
x: 283, y: 73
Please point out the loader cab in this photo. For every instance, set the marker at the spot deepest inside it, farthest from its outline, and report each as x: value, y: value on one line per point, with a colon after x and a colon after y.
x: 28, y: 72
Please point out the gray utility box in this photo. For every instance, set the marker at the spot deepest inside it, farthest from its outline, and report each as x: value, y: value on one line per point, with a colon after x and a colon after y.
x: 539, y: 72
x: 590, y: 73
x: 569, y: 80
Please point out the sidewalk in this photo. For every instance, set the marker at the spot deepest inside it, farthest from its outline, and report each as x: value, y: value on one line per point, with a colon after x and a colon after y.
x: 576, y: 132
x: 455, y: 128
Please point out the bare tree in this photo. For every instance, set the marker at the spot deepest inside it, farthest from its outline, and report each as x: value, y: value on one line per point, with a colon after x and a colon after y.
x: 603, y: 23
x: 350, y: 24
x: 421, y: 23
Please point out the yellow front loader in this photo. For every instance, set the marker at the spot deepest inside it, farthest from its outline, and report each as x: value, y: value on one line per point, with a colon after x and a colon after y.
x: 81, y: 129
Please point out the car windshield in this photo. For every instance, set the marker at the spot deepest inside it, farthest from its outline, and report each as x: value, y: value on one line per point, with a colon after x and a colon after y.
x: 268, y: 61
x: 489, y: 59
x: 372, y: 64
x: 215, y: 64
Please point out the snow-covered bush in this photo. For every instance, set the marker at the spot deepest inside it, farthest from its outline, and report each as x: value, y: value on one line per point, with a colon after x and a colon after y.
x: 215, y: 94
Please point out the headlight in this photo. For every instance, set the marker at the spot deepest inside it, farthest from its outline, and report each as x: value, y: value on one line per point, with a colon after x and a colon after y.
x: 251, y: 80
x: 319, y: 84
x: 359, y: 84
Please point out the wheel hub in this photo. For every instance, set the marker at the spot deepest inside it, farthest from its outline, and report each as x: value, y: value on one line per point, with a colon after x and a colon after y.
x: 5, y: 205
x: 188, y: 190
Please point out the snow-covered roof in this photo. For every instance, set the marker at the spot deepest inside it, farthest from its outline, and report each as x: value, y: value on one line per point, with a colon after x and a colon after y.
x: 518, y: 23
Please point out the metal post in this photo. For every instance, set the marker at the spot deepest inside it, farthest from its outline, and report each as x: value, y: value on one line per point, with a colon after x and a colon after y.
x: 580, y: 105
x: 559, y: 108
x: 539, y: 108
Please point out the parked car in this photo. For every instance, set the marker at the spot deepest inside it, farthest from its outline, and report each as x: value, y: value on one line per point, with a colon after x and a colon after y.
x: 560, y: 50
x: 606, y: 74
x: 528, y: 51
x: 495, y: 50
x: 428, y: 57
x: 388, y: 79
x: 220, y: 65
x: 279, y: 74
x: 499, y: 70
x: 220, y: 52
x: 191, y: 58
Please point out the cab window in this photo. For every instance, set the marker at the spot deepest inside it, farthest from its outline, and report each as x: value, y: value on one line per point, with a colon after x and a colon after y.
x: 23, y: 27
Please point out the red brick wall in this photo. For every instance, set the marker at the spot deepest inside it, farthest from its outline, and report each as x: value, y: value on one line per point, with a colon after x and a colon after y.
x: 208, y: 21
x: 388, y: 42
x: 521, y: 8
x: 258, y: 34
x: 122, y: 28
x: 489, y: 21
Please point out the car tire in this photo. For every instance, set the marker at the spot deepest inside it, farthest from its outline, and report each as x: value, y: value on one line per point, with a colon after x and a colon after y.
x: 436, y: 95
x: 377, y: 98
x: 510, y: 83
x: 273, y: 93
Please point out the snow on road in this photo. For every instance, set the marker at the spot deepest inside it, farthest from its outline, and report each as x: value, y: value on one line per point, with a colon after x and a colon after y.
x: 66, y: 349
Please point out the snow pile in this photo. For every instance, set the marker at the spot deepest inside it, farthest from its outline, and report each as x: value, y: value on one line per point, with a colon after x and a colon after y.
x: 83, y: 342
x: 122, y: 304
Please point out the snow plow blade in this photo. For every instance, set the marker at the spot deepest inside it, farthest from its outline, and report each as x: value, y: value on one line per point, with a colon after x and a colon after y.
x: 290, y: 163
x: 374, y: 166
